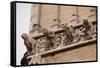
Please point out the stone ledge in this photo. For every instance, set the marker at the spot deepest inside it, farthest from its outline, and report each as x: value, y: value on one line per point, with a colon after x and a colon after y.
x: 68, y: 46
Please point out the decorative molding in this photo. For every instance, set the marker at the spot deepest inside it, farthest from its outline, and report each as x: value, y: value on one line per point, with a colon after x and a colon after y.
x: 69, y: 46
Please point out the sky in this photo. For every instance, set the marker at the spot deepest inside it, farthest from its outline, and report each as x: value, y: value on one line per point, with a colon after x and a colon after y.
x: 23, y: 11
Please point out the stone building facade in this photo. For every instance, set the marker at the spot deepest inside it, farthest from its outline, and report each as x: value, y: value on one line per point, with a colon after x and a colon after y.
x: 63, y: 33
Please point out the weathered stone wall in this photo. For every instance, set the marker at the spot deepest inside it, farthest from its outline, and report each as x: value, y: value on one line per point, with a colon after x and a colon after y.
x: 45, y: 16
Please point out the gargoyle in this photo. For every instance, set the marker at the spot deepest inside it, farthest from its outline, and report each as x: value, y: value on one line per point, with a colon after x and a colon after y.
x: 68, y: 34
x: 30, y: 46
x: 29, y: 43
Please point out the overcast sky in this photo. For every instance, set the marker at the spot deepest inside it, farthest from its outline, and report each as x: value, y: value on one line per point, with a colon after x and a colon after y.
x: 23, y: 11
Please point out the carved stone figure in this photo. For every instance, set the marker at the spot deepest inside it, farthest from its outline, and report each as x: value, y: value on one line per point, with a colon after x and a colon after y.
x: 81, y: 34
x: 87, y: 31
x: 30, y: 46
x: 67, y: 35
x: 49, y: 38
x: 29, y: 43
x: 74, y: 34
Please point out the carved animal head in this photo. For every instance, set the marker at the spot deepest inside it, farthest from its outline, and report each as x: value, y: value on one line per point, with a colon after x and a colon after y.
x: 24, y: 36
